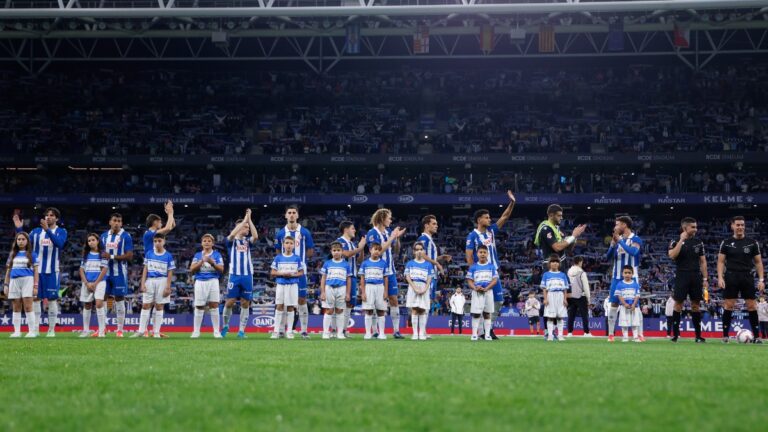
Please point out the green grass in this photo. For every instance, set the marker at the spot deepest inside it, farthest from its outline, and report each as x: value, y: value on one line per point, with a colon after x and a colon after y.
x: 448, y: 383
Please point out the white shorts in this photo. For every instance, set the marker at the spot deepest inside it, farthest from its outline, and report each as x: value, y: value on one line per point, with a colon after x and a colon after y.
x: 97, y: 294
x: 374, y: 298
x: 413, y: 300
x: 555, y: 307
x: 154, y: 293
x: 335, y: 298
x: 482, y: 302
x: 287, y: 294
x: 22, y: 287
x: 207, y: 291
x: 629, y: 318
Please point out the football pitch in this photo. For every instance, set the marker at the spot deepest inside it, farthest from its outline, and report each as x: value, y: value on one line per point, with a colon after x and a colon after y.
x: 447, y: 383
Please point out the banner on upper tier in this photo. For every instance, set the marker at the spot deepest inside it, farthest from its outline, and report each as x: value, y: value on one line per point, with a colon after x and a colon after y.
x: 240, y: 199
x: 503, y: 325
x: 14, y: 160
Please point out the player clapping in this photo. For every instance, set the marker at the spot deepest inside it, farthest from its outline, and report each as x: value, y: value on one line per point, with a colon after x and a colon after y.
x: 207, y: 266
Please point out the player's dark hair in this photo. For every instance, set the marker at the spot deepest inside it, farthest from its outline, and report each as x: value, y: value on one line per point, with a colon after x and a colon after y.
x: 687, y: 220
x: 578, y: 259
x: 737, y: 218
x: 628, y: 267
x: 626, y: 220
x: 292, y: 207
x: 419, y: 244
x: 289, y: 238
x: 158, y: 236
x: 53, y: 210
x: 482, y: 247
x: 427, y: 220
x: 336, y: 245
x: 208, y: 235
x: 480, y: 213
x: 374, y: 245
x: 554, y: 258
x: 237, y: 222
x: 553, y: 208
x: 87, y: 249
x: 28, y: 249
x: 115, y: 215
x: 151, y: 219
x: 344, y: 225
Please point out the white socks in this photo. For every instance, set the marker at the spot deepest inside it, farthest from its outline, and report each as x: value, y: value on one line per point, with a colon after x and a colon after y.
x: 347, y: 316
x: 214, y: 312
x: 120, y: 311
x: 424, y: 319
x: 612, y: 314
x: 550, y: 329
x: 560, y: 328
x: 37, y: 308
x: 487, y: 327
x: 227, y: 315
x: 277, y: 327
x: 86, y: 320
x: 199, y: 313
x: 143, y: 320
x: 368, y: 324
x: 341, y: 323
x: 394, y: 313
x: 415, y: 323
x: 640, y: 327
x: 17, y: 322
x: 101, y: 317
x: 382, y: 321
x: 53, y: 314
x: 158, y: 321
x: 303, y: 317
x: 475, y: 325
x: 289, y: 321
x: 327, y: 323
x: 244, y: 313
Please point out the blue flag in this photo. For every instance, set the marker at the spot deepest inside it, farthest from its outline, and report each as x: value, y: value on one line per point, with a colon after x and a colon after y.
x: 616, y: 36
x: 353, y: 39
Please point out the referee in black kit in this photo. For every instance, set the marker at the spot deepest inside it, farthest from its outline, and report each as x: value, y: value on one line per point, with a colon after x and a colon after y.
x: 739, y: 254
x: 690, y: 276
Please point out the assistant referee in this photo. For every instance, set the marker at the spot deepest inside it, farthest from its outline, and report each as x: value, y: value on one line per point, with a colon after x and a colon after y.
x: 690, y: 276
x: 738, y: 256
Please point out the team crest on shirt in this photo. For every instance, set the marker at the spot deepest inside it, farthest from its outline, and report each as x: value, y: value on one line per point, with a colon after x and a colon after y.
x: 549, y: 235
x: 746, y: 250
x: 697, y: 249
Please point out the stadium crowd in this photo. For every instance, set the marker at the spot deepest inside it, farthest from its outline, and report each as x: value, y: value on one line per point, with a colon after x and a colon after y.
x: 587, y: 110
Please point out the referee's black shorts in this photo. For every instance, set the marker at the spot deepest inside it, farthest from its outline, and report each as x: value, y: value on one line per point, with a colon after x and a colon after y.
x: 688, y: 284
x: 739, y: 283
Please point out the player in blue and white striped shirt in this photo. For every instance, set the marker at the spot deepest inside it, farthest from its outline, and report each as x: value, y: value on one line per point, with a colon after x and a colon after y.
x: 624, y: 251
x: 48, y: 240
x: 118, y: 248
x: 240, y: 286
x: 485, y: 234
x: 353, y: 255
x: 304, y: 248
x: 93, y: 272
x: 432, y: 255
x: 155, y: 226
x: 389, y: 240
x: 156, y: 284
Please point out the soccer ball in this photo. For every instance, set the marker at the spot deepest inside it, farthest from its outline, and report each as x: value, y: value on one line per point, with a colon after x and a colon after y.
x: 744, y: 336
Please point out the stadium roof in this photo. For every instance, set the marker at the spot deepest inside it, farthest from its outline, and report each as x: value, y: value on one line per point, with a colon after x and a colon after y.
x: 34, y: 34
